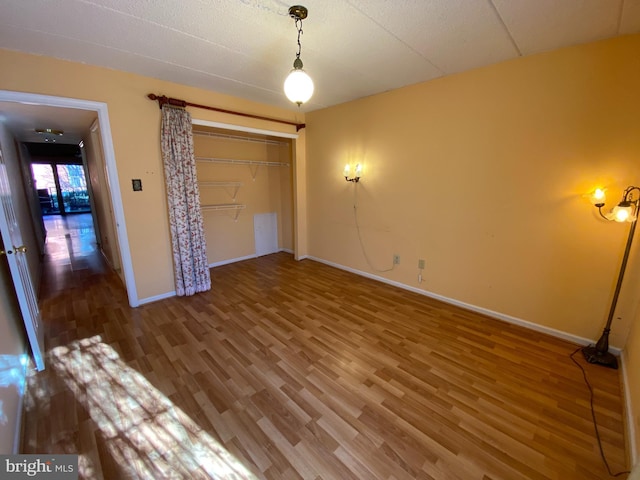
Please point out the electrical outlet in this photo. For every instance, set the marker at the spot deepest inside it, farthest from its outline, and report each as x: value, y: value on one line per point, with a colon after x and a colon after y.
x: 396, y: 259
x: 421, y: 264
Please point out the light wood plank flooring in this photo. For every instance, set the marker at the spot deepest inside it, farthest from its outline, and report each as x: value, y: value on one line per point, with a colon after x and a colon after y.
x: 290, y: 370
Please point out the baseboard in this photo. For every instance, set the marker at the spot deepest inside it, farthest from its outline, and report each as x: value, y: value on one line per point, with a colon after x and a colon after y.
x: 629, y: 414
x: 231, y: 260
x: 162, y: 296
x: 247, y: 257
x: 467, y: 306
x: 155, y: 298
x: 500, y: 316
x: 105, y: 258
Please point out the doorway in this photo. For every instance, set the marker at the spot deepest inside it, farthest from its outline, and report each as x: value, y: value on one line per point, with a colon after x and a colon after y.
x: 50, y: 104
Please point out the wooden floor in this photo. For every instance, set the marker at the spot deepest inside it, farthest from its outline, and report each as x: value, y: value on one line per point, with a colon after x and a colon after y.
x: 291, y: 370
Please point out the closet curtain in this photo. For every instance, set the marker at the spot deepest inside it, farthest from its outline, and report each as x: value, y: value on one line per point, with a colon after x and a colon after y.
x: 185, y: 218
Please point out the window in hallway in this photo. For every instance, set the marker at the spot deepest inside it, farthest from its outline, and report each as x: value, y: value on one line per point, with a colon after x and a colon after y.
x: 62, y: 188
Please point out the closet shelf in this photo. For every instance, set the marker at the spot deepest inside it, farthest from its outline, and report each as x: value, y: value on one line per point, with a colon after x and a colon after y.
x: 231, y: 187
x: 253, y: 164
x: 233, y: 161
x: 220, y: 184
x: 241, y: 138
x: 224, y: 206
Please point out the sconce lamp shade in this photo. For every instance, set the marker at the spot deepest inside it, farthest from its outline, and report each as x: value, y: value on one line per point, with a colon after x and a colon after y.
x: 623, y: 212
x: 598, y: 197
x: 298, y: 86
x: 357, y: 173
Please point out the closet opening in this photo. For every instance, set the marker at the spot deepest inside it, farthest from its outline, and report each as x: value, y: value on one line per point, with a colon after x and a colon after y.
x: 245, y: 180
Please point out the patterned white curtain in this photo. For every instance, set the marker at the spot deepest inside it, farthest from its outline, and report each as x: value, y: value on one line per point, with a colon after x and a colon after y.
x: 185, y: 218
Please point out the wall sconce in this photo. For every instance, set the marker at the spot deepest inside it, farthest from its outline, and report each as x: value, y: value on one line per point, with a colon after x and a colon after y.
x: 625, y: 211
x: 298, y: 86
x: 356, y: 174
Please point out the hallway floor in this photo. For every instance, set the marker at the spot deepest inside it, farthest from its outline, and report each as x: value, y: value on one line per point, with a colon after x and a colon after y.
x: 70, y: 249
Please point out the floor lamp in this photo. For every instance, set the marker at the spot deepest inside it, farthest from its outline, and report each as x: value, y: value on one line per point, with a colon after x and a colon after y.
x: 625, y: 211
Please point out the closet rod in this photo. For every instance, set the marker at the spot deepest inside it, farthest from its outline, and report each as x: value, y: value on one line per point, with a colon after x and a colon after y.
x: 162, y: 99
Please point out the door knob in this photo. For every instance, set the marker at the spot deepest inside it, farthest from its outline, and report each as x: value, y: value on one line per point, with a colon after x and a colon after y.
x: 20, y: 249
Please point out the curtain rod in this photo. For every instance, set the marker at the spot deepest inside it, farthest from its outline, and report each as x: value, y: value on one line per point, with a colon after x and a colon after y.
x: 162, y: 100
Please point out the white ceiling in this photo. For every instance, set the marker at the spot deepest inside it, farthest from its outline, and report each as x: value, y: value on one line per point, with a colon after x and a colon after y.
x: 24, y: 119
x: 351, y: 48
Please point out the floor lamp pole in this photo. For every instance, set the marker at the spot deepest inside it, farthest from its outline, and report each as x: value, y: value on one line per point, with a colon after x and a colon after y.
x: 600, y: 352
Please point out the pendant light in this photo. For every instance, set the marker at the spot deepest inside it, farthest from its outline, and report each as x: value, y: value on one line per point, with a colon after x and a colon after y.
x: 298, y: 86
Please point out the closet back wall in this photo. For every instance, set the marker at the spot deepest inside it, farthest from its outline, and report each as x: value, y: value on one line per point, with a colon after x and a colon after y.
x: 262, y: 189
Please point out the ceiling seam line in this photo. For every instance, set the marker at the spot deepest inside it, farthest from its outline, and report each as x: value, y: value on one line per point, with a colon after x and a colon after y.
x: 620, y: 11
x: 440, y: 70
x: 506, y: 29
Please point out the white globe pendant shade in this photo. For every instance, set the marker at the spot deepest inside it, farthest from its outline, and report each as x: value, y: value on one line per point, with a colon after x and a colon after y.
x: 298, y: 86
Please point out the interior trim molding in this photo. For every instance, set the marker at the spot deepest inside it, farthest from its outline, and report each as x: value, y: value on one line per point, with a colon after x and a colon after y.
x: 485, y: 311
x: 232, y: 260
x: 110, y: 162
x: 241, y: 128
x: 156, y: 298
x: 632, y: 446
x: 162, y: 296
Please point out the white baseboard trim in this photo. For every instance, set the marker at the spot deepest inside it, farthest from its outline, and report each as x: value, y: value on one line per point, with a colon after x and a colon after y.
x: 162, y: 296
x: 629, y: 414
x: 155, y: 298
x: 286, y: 250
x: 231, y: 260
x: 500, y: 316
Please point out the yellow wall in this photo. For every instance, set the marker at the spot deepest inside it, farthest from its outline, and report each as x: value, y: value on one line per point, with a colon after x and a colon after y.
x: 135, y: 127
x: 482, y: 174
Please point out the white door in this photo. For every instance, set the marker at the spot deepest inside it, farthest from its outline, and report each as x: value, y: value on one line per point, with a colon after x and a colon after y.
x: 15, y: 251
x: 265, y: 229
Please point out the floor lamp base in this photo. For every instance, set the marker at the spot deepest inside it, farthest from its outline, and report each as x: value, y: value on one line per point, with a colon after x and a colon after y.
x: 606, y: 359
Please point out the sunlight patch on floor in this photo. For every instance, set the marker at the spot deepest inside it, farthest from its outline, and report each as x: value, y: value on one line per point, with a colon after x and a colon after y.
x: 12, y: 376
x: 147, y: 435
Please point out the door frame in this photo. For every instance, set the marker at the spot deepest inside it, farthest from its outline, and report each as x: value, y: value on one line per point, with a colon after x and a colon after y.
x: 112, y: 171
